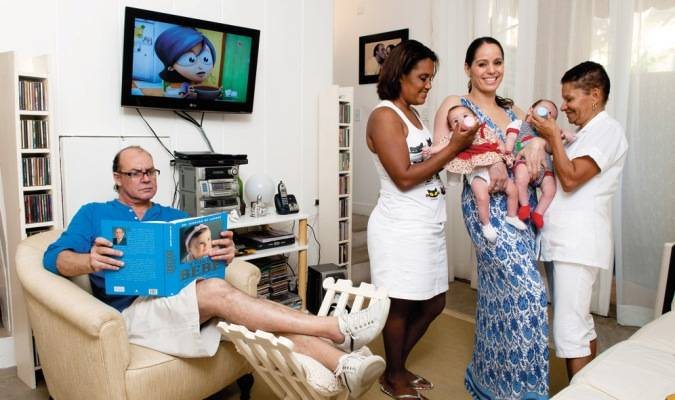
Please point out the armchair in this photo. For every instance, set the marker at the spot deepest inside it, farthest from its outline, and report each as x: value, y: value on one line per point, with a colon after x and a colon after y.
x: 83, y: 346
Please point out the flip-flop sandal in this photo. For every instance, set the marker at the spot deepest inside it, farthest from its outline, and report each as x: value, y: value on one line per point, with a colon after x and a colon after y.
x: 420, y: 383
x: 391, y: 394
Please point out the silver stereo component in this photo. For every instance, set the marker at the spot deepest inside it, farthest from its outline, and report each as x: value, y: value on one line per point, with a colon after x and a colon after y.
x: 207, y: 189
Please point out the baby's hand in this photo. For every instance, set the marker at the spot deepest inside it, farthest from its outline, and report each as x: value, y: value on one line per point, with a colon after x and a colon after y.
x: 567, y: 136
x: 426, y: 152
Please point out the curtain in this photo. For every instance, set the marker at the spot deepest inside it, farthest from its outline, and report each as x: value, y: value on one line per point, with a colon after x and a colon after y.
x: 633, y: 40
x: 452, y: 31
x: 542, y: 39
x: 648, y: 195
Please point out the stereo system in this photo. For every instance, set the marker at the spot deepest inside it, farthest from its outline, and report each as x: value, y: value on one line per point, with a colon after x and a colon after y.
x: 315, y: 277
x: 208, y: 182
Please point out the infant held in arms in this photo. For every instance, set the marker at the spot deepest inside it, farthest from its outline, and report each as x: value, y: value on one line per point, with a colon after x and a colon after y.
x: 474, y: 162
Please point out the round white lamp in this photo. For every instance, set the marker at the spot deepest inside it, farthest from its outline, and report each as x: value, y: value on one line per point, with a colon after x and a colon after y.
x: 259, y: 185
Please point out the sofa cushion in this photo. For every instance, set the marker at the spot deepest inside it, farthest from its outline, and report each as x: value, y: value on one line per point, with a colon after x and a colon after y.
x: 581, y: 392
x: 630, y: 371
x: 658, y: 334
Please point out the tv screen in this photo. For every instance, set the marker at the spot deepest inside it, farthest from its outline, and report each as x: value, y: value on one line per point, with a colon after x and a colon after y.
x: 175, y: 62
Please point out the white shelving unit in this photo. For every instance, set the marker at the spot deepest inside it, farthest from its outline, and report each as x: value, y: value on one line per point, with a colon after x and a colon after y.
x: 336, y: 130
x: 29, y: 162
x: 299, y: 247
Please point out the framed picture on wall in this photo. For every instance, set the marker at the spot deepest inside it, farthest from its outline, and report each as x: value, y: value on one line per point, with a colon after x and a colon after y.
x: 373, y: 50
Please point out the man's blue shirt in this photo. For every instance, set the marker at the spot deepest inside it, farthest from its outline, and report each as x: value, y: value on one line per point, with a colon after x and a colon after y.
x: 86, y: 227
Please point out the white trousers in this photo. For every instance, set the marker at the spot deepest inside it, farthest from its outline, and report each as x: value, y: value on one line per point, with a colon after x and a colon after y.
x: 573, y: 327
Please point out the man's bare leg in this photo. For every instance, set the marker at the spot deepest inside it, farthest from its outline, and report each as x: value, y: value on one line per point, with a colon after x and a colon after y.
x: 316, y: 348
x: 217, y: 298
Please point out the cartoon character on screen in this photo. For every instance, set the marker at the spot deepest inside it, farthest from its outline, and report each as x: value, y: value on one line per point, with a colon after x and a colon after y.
x: 474, y: 163
x: 197, y: 243
x: 188, y: 57
x: 518, y: 134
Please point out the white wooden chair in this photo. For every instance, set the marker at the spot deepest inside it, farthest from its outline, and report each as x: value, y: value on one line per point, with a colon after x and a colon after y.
x: 294, y: 376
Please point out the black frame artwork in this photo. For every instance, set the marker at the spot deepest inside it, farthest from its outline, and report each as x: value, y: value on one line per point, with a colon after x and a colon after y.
x: 370, y: 58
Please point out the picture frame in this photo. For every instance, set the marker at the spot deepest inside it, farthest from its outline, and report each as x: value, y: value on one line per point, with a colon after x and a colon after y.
x: 373, y: 50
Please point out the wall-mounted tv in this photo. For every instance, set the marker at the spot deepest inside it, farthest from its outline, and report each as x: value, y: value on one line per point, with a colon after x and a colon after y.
x: 182, y: 63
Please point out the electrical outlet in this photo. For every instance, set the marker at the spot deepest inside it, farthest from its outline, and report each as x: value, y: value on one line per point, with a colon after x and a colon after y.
x: 316, y: 202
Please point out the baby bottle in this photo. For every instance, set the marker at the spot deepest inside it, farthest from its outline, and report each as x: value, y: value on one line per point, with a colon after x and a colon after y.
x: 469, y: 121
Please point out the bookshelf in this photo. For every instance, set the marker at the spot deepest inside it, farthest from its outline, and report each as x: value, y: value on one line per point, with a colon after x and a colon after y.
x: 335, y: 175
x: 299, y: 220
x: 29, y: 162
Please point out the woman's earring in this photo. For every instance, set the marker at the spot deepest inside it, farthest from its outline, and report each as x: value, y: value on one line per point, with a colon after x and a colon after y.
x: 594, y: 105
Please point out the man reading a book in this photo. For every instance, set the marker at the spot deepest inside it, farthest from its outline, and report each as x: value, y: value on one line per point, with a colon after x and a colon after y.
x: 185, y: 324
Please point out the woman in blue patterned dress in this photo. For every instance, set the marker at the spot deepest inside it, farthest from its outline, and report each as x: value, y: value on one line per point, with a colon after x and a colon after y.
x: 510, y: 357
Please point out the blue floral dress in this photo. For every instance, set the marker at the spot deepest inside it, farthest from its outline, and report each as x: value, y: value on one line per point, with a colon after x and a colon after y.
x: 510, y: 354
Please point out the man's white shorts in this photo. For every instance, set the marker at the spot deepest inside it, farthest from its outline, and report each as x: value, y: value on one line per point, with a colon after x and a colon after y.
x: 573, y: 327
x: 171, y: 325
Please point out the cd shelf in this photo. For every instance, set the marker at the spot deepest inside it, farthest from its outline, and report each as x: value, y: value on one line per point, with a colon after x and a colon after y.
x: 335, y: 175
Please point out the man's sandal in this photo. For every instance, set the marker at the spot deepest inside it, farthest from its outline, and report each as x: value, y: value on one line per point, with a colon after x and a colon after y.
x: 391, y: 394
x: 419, y: 383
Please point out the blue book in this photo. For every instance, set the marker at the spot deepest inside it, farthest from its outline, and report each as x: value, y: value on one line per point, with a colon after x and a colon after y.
x: 161, y: 258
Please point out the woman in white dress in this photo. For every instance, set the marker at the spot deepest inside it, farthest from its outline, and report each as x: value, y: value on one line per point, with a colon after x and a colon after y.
x: 406, y: 230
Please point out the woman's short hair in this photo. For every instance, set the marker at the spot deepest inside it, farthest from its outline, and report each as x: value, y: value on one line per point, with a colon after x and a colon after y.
x: 503, y: 102
x: 400, y: 62
x: 588, y: 75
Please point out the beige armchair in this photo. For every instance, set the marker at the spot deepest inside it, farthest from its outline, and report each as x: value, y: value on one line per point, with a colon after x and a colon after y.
x: 83, y: 345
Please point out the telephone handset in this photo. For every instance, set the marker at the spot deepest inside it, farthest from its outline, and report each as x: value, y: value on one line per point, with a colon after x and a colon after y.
x: 285, y: 203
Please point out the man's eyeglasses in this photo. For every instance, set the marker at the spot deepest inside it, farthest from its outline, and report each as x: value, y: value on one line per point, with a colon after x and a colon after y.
x: 138, y: 175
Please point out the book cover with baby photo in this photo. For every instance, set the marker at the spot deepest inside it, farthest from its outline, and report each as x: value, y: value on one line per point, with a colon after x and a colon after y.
x: 161, y: 258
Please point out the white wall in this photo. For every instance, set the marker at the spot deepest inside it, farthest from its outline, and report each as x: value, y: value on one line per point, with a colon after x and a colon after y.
x: 295, y: 63
x: 355, y: 18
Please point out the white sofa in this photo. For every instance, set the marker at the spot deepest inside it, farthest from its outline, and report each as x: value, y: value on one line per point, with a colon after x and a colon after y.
x: 641, y: 367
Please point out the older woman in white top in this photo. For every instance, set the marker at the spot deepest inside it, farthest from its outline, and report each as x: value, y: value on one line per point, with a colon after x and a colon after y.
x: 577, y: 233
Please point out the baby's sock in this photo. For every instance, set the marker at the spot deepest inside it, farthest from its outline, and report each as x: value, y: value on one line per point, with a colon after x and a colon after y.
x: 489, y: 232
x: 515, y: 222
x: 524, y: 212
x: 538, y: 220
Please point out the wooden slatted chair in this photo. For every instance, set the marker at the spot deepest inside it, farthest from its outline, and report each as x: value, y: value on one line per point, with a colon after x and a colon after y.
x: 294, y: 376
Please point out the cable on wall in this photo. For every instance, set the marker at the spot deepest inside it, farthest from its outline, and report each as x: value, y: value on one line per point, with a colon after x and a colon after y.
x: 172, y: 162
x: 317, y: 244
x: 154, y: 133
x: 183, y: 114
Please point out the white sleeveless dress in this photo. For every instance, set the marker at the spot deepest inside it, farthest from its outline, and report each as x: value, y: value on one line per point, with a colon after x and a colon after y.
x: 406, y: 230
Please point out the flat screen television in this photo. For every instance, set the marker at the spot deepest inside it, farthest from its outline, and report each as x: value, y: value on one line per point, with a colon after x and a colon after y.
x: 181, y: 63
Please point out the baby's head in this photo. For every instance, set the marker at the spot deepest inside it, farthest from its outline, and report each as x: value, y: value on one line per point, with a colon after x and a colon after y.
x: 548, y: 105
x: 198, y: 241
x: 460, y: 117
